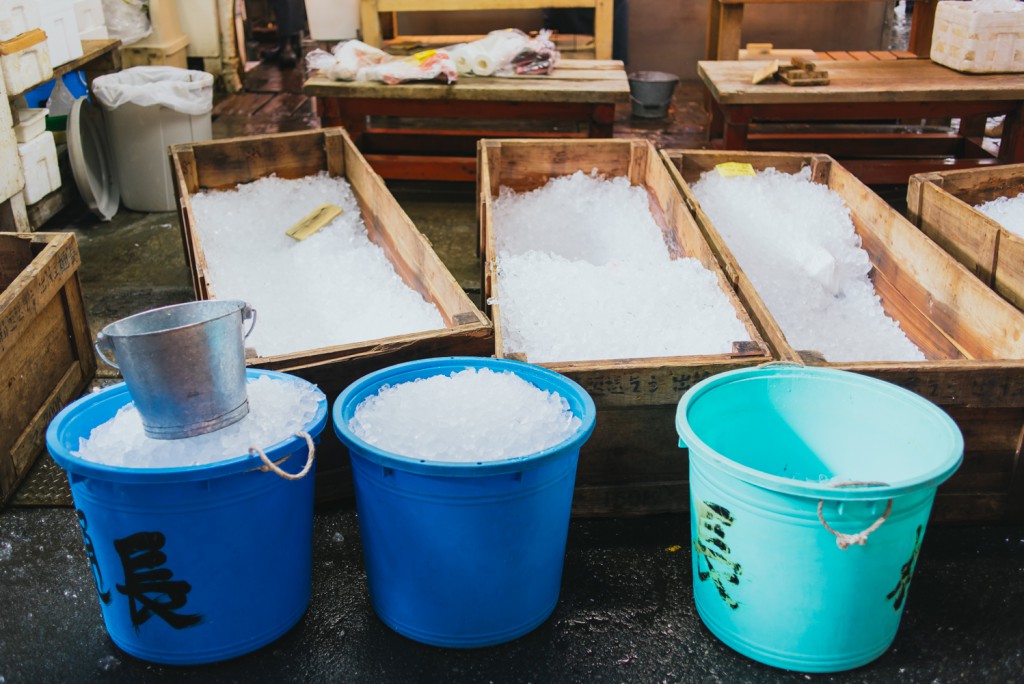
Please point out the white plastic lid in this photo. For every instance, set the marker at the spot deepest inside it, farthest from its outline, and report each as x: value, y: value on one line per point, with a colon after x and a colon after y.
x: 91, y: 162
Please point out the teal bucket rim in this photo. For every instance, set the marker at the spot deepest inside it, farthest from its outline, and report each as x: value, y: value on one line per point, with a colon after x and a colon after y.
x: 111, y: 399
x: 354, y: 394
x: 809, y: 489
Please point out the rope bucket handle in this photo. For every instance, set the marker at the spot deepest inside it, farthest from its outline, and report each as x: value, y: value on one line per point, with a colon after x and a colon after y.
x: 651, y: 104
x: 270, y: 466
x: 843, y: 540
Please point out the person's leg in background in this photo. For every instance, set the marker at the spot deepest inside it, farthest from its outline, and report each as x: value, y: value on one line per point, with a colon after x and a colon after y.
x: 290, y: 16
x: 573, y: 21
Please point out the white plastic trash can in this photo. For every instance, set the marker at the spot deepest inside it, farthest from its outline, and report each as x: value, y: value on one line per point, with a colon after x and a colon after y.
x: 147, y: 109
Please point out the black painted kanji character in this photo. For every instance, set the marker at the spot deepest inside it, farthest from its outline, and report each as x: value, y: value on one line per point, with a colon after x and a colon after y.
x: 148, y: 586
x: 899, y: 593
x: 712, y: 520
x: 90, y: 552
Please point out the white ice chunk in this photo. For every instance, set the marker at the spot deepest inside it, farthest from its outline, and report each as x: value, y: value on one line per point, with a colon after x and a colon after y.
x: 474, y: 415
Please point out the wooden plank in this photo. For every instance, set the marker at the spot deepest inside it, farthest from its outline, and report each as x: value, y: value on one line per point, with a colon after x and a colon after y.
x: 423, y: 167
x: 43, y: 332
x: 14, y: 214
x: 241, y: 104
x: 883, y: 55
x: 862, y: 56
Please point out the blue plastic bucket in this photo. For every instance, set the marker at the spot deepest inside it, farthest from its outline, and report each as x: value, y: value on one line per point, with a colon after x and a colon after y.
x: 780, y: 573
x: 193, y: 564
x: 463, y: 554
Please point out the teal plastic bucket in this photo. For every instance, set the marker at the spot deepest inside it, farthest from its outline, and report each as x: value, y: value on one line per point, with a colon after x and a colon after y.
x: 810, y: 490
x: 463, y: 554
x: 193, y: 564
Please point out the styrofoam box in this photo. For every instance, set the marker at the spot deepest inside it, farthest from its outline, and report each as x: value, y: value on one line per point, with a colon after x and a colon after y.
x: 17, y: 17
x: 39, y: 161
x: 979, y: 38
x: 57, y: 18
x: 26, y: 68
x: 92, y: 24
x: 332, y: 19
x: 6, y: 120
x: 31, y: 122
x: 12, y: 177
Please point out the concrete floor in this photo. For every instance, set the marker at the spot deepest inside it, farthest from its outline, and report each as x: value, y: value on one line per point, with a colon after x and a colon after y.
x: 626, y: 611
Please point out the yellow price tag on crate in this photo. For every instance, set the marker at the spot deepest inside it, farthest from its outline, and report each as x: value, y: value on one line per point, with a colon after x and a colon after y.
x: 732, y: 169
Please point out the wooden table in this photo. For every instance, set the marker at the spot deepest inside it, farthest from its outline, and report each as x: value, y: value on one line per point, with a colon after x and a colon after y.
x: 878, y: 92
x: 725, y: 24
x: 428, y: 131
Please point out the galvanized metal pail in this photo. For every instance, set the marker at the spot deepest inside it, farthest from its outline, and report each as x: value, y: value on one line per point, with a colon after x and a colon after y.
x: 651, y: 93
x: 184, y: 365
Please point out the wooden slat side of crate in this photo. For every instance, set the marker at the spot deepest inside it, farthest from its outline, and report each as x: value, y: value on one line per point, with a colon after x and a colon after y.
x: 942, y: 205
x: 224, y: 164
x: 632, y: 464
x: 974, y: 341
x: 46, y: 358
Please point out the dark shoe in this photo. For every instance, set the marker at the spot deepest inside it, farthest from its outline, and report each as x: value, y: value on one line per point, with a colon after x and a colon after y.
x: 286, y: 57
x: 270, y: 54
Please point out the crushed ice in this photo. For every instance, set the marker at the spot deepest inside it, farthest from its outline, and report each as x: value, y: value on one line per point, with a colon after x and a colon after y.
x: 585, y: 273
x: 797, y: 243
x: 474, y: 415
x: 277, y: 410
x: 1007, y: 212
x: 335, y: 287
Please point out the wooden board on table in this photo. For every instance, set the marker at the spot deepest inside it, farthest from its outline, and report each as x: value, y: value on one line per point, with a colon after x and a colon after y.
x: 972, y: 339
x: 590, y: 81
x: 632, y: 464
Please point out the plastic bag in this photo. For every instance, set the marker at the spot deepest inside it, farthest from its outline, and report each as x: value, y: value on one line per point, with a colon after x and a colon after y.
x: 127, y: 20
x: 184, y: 91
x: 60, y: 100
x: 508, y: 52
x: 354, y: 60
x: 345, y: 60
x: 430, y: 65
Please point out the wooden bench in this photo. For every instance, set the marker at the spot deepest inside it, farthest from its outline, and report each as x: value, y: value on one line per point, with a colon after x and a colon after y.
x: 369, y: 15
x: 429, y: 131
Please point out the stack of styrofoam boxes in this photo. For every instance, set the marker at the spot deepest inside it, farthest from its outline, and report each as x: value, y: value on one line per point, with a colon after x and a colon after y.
x: 92, y: 24
x: 57, y: 18
x: 24, y: 64
x: 12, y: 178
x: 165, y: 46
x: 38, y: 151
x: 979, y: 37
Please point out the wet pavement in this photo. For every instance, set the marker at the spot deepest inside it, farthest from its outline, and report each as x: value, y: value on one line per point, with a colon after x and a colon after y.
x: 626, y: 614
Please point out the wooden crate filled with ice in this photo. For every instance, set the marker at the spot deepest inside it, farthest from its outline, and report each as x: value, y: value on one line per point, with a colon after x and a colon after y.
x: 977, y: 215
x: 366, y: 288
x: 834, y: 276
x: 593, y: 267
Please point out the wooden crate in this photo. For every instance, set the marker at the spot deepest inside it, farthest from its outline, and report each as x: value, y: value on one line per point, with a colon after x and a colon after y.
x: 223, y: 164
x: 46, y: 357
x: 632, y: 464
x: 942, y: 205
x: 973, y: 340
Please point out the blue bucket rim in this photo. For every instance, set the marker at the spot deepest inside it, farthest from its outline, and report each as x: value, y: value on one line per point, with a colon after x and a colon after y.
x: 354, y: 394
x: 119, y: 393
x: 809, y: 489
